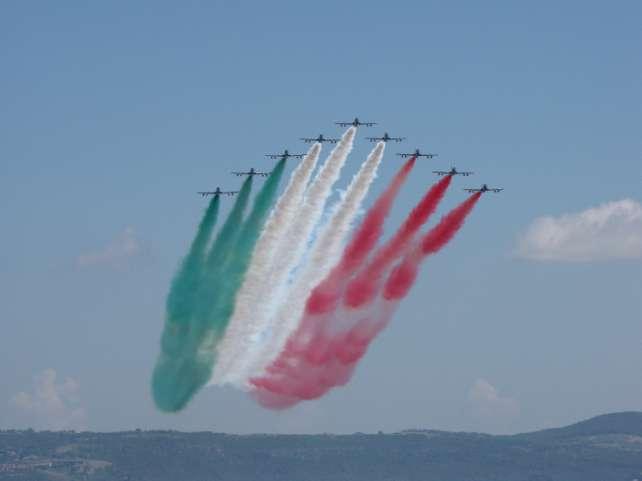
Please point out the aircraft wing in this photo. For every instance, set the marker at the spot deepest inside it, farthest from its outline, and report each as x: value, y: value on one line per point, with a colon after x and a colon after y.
x: 368, y: 124
x: 472, y: 190
x: 405, y: 155
x: 263, y: 174
x: 343, y: 124
x: 273, y: 156
x: 440, y: 172
x: 466, y: 174
x: 238, y: 174
x: 383, y: 139
x: 496, y: 190
x: 308, y: 140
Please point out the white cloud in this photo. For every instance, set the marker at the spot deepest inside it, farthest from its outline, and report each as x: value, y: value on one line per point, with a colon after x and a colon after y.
x: 117, y: 252
x: 487, y: 402
x: 608, y: 231
x: 52, y: 405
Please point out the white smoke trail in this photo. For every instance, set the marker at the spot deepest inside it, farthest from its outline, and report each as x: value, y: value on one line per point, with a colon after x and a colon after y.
x: 250, y: 294
x: 325, y: 253
x: 289, y: 252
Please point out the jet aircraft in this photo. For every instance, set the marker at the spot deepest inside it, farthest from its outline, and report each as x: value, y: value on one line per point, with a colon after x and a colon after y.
x: 452, y: 171
x: 319, y: 139
x: 385, y: 138
x: 252, y: 172
x: 484, y: 188
x: 285, y: 155
x: 418, y: 154
x: 218, y: 191
x: 356, y: 123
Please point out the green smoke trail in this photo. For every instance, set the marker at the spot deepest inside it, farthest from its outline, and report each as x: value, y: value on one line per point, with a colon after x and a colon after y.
x: 214, y: 277
x: 177, y: 378
x: 221, y: 249
x: 184, y: 329
x: 180, y: 299
x: 235, y: 268
x: 230, y: 278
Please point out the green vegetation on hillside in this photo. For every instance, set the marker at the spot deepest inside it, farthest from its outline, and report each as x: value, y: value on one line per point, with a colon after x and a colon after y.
x: 606, y: 448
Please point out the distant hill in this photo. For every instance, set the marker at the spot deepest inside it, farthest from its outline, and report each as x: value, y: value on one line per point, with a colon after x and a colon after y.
x: 615, y: 423
x: 604, y: 448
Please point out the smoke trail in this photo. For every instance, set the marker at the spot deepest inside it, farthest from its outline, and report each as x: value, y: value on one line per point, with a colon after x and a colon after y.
x: 320, y: 357
x: 363, y: 288
x: 234, y: 271
x: 180, y: 299
x: 175, y: 382
x: 325, y: 361
x: 341, y: 354
x: 324, y: 296
x: 292, y: 249
x: 218, y: 259
x: 180, y: 339
x: 253, y: 290
x: 350, y: 347
x: 403, y: 276
x: 325, y: 251
x: 221, y: 250
x: 289, y: 253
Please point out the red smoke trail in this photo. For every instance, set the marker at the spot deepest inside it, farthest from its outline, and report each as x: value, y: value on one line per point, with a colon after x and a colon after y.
x: 316, y: 360
x: 308, y: 345
x: 363, y: 288
x: 346, y: 350
x: 325, y: 295
x: 309, y: 371
x: 403, y: 276
x: 347, y: 347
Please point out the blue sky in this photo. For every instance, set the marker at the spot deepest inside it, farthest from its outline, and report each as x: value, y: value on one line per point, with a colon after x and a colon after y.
x: 114, y: 114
